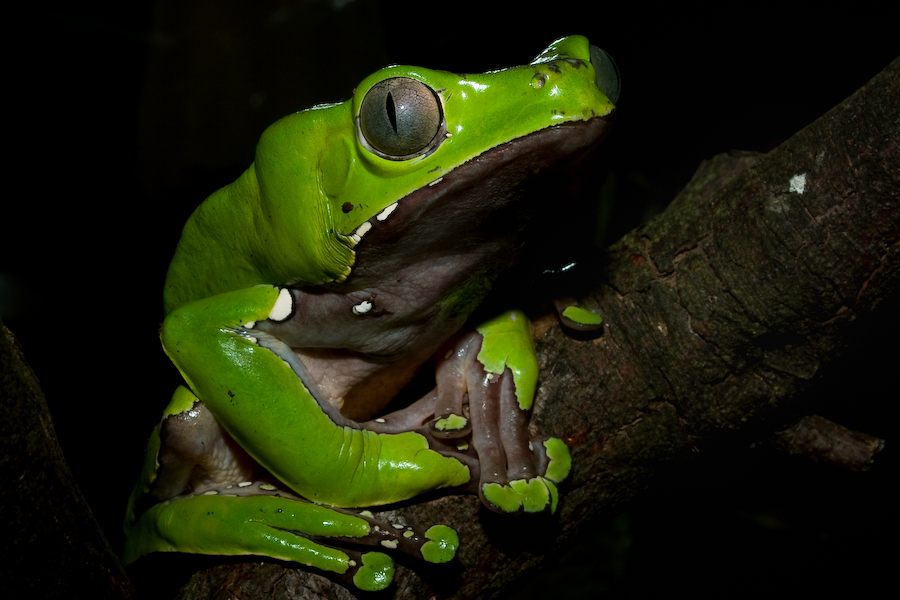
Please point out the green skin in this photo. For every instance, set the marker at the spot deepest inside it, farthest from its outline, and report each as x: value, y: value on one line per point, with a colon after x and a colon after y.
x: 255, y: 256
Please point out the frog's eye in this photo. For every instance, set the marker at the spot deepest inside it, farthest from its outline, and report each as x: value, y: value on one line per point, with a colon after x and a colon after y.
x: 607, y: 78
x: 401, y: 118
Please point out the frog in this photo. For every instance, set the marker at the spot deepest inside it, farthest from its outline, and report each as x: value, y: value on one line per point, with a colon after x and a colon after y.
x: 355, y: 252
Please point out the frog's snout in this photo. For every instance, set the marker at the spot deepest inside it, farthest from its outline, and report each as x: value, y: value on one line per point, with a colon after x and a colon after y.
x: 606, y: 73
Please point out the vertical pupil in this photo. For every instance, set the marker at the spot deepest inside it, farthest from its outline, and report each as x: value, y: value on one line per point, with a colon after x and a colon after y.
x: 391, y: 111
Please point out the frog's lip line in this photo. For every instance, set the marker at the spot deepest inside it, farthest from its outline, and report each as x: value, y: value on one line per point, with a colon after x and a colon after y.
x: 592, y: 131
x: 364, y: 228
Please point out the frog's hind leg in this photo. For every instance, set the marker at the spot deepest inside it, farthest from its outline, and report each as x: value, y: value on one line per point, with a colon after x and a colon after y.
x: 249, y: 519
x: 201, y: 493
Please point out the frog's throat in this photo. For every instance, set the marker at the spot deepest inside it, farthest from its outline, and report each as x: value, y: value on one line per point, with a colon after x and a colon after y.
x: 541, y: 149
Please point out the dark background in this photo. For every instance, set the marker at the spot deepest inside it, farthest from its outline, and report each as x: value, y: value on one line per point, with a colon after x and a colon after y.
x: 131, y: 117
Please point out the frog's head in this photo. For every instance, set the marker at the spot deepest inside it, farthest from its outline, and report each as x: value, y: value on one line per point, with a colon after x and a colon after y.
x: 327, y: 178
x: 406, y: 128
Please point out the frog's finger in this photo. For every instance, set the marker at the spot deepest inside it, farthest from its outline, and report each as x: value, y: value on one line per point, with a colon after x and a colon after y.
x: 509, y: 476
x: 575, y: 318
x: 512, y: 475
x: 553, y: 458
x: 500, y: 382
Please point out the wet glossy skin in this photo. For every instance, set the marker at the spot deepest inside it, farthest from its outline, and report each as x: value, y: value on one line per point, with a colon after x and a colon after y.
x: 303, y: 297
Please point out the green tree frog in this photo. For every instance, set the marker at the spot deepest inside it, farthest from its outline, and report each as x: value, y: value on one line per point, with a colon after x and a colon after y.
x: 306, y: 295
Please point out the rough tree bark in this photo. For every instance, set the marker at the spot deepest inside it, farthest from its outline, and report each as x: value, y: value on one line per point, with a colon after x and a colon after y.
x: 720, y: 315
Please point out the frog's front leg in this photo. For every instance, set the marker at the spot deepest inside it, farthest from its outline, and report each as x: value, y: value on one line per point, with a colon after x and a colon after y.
x: 252, y: 383
x: 209, y: 504
x: 490, y: 375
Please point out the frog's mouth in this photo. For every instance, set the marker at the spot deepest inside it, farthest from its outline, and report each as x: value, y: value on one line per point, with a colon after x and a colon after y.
x: 489, y: 205
x: 423, y: 270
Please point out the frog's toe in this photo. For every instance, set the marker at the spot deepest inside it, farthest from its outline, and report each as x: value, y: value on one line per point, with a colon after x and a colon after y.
x: 553, y: 459
x: 258, y: 518
x: 375, y: 572
x: 534, y: 495
x: 575, y: 318
x: 442, y: 544
x: 451, y: 426
x: 537, y: 495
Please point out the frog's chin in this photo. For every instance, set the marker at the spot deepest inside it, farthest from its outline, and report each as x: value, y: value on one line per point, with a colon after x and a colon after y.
x: 484, y: 206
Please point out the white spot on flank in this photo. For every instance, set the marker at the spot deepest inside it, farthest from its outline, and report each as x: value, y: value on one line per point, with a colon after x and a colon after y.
x: 249, y: 325
x: 798, y: 183
x: 283, y: 305
x: 352, y: 563
x: 392, y: 544
x: 245, y: 483
x: 386, y: 212
x: 362, y: 308
x: 380, y: 420
x: 436, y: 181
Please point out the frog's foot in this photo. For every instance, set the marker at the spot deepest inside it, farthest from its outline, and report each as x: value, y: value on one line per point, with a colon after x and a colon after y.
x: 517, y: 474
x: 261, y: 519
x: 478, y: 398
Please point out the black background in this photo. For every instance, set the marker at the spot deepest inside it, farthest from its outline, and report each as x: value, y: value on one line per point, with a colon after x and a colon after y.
x: 129, y: 118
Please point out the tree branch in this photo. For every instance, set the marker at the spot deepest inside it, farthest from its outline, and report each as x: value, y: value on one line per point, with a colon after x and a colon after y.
x: 720, y: 315
x: 53, y: 546
x: 821, y: 440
